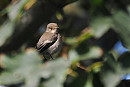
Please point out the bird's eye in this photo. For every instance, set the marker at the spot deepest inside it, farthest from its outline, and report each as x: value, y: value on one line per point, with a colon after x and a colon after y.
x: 50, y: 28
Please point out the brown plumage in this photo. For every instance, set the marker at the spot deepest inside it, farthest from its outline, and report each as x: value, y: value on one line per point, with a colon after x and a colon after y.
x: 51, y: 41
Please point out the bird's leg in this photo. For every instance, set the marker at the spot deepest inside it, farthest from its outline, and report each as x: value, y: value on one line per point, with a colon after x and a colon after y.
x: 50, y: 56
x: 45, y: 59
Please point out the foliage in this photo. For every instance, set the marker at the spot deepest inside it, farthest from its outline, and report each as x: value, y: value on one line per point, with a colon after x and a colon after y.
x: 90, y: 29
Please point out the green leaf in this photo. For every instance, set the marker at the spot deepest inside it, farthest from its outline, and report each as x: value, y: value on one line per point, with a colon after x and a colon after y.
x: 121, y: 22
x: 15, y: 9
x: 25, y: 66
x: 96, y: 2
x: 73, y: 55
x: 6, y: 31
x: 113, y: 70
x: 128, y: 8
x: 110, y: 75
x: 94, y: 52
x: 100, y: 25
x: 10, y: 78
x: 57, y: 70
x: 28, y: 68
x: 124, y: 62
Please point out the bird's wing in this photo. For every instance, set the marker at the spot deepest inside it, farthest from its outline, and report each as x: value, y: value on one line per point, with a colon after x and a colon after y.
x: 46, y: 41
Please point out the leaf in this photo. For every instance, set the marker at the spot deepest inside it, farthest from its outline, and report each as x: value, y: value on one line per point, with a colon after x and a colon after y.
x: 25, y: 66
x: 124, y: 62
x: 15, y: 9
x: 6, y: 31
x: 57, y: 70
x: 29, y: 4
x: 100, y: 25
x: 94, y: 52
x: 109, y: 73
x: 73, y: 55
x: 112, y: 70
x: 128, y: 8
x: 121, y: 22
x: 96, y: 2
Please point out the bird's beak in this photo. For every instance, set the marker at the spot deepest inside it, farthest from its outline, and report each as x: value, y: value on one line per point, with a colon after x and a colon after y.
x: 57, y: 27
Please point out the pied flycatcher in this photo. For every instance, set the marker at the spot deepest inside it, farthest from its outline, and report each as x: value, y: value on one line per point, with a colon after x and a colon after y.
x: 51, y: 41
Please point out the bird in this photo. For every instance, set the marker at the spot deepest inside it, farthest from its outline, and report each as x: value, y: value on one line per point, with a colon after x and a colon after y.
x: 50, y: 42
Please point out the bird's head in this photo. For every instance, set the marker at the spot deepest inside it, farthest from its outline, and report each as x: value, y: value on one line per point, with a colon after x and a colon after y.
x: 52, y: 28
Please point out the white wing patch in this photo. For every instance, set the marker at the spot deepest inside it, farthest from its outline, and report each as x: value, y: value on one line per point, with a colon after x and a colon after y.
x: 47, y: 41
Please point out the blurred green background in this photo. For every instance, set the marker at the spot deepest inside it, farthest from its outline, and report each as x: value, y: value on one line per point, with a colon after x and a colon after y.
x: 91, y: 55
